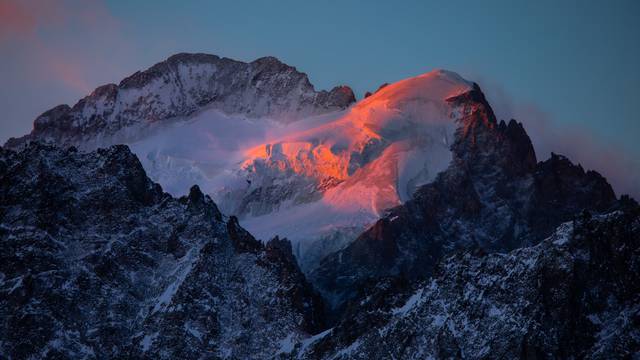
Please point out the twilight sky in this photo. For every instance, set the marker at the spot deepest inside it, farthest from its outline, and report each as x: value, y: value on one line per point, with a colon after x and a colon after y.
x: 569, y: 70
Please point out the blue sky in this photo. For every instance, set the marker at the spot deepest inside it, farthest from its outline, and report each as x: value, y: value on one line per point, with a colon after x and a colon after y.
x: 569, y: 70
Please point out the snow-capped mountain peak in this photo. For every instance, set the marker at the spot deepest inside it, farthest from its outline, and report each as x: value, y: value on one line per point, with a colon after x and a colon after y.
x: 181, y: 86
x: 343, y: 173
x: 400, y: 117
x: 266, y: 145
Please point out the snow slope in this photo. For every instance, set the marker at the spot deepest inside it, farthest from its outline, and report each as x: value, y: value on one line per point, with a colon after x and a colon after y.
x: 321, y: 180
x: 208, y: 148
x: 376, y: 155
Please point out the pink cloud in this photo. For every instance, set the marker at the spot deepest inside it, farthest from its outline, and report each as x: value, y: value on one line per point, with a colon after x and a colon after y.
x: 15, y: 20
x: 36, y: 33
x: 20, y: 20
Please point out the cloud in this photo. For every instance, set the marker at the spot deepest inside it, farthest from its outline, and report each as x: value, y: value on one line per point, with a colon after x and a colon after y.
x: 37, y: 34
x: 56, y: 52
x: 17, y: 19
x: 579, y: 144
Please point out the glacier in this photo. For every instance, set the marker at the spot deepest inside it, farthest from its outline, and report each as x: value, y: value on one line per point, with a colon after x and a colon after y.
x: 334, y: 174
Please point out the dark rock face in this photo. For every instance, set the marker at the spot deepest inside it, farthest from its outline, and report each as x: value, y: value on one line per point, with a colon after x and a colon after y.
x: 562, y: 189
x: 96, y: 261
x: 494, y: 196
x: 574, y: 295
x: 180, y: 86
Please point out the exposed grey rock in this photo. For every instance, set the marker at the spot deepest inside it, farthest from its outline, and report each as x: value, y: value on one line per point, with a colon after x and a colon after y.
x: 574, y: 295
x: 180, y: 86
x: 97, y: 262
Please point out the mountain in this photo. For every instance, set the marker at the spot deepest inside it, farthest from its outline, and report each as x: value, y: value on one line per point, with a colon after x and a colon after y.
x: 493, y: 195
x: 257, y: 137
x: 377, y: 153
x: 428, y: 228
x: 574, y: 295
x: 96, y: 261
x: 309, y: 166
x: 180, y: 86
x: 324, y: 183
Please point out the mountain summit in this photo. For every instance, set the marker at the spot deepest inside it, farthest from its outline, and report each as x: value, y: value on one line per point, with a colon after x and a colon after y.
x: 322, y: 183
x: 180, y: 86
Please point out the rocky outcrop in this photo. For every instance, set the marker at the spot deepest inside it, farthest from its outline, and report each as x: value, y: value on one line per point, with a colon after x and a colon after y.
x: 178, y: 87
x: 574, y: 295
x: 97, y: 261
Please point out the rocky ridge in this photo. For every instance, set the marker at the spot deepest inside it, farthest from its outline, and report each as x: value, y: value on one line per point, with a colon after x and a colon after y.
x: 96, y: 261
x: 177, y: 87
x: 574, y: 295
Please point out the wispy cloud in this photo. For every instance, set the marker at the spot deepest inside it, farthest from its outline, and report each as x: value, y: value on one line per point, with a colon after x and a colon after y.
x: 19, y: 19
x: 33, y: 32
x: 578, y: 143
x: 56, y: 52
